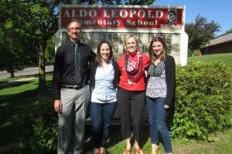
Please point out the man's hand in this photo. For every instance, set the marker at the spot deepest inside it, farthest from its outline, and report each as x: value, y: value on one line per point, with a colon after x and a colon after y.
x: 58, y: 105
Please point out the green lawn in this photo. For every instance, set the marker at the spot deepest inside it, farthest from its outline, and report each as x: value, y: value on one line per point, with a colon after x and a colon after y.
x: 225, y: 58
x: 20, y: 96
x: 220, y: 144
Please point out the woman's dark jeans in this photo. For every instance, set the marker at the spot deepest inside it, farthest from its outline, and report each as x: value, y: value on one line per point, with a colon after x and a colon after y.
x: 101, y: 116
x: 157, y: 121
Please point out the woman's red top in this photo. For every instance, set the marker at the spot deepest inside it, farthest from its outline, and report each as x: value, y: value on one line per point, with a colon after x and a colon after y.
x: 124, y: 81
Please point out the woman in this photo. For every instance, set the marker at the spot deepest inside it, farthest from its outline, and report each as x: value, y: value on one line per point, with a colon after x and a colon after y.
x: 160, y: 92
x: 103, y: 81
x: 131, y: 92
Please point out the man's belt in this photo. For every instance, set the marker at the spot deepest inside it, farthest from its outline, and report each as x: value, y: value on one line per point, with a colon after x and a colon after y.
x: 77, y: 87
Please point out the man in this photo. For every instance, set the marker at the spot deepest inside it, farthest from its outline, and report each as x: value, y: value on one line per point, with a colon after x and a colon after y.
x: 71, y: 76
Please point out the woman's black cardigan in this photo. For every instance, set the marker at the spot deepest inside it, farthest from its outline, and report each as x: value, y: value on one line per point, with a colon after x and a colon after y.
x: 170, y: 70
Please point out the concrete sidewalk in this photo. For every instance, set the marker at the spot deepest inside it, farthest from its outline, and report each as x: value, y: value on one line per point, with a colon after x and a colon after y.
x: 26, y: 71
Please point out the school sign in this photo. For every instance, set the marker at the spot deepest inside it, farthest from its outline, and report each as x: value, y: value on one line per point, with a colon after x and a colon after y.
x: 112, y: 23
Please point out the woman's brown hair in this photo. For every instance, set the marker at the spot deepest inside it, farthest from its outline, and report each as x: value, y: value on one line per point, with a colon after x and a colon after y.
x: 98, y: 57
x: 151, y: 53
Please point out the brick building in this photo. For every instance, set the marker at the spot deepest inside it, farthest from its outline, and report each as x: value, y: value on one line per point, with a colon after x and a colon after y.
x: 220, y: 44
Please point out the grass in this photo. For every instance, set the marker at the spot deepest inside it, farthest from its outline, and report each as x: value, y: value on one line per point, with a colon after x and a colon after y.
x: 18, y: 96
x: 12, y: 105
x: 220, y: 144
x: 225, y: 58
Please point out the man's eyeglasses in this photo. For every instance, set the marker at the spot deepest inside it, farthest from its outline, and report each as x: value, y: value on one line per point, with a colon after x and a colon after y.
x: 74, y: 28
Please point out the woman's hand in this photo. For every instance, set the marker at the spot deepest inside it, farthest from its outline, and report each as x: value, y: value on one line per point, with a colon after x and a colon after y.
x: 166, y: 106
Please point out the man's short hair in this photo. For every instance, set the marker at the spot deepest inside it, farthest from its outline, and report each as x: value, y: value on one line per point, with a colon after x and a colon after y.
x: 73, y: 20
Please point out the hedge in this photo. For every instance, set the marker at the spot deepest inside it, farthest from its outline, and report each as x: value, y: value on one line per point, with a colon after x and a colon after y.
x: 203, y: 105
x: 203, y: 100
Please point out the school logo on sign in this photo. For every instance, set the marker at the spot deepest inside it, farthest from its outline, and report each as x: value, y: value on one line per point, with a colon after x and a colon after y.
x: 172, y: 16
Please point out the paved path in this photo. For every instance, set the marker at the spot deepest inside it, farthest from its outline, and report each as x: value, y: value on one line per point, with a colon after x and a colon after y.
x: 25, y: 71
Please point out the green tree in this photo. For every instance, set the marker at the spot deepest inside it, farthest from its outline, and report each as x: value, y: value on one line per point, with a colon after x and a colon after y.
x: 44, y: 24
x: 11, y: 45
x: 25, y: 28
x: 109, y: 2
x: 228, y: 31
x: 200, y: 32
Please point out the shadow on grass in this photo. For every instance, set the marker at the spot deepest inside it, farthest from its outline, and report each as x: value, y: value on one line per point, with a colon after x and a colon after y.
x: 6, y: 84
x: 114, y: 139
x: 16, y: 112
x: 16, y: 122
x: 115, y: 136
x: 11, y: 109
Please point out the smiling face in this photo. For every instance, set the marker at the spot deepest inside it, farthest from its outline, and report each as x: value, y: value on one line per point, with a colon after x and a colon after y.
x: 74, y: 29
x: 105, y: 52
x: 157, y: 48
x: 131, y: 44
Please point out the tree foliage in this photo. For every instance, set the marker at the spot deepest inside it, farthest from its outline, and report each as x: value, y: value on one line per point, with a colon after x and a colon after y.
x: 228, y: 31
x: 200, y: 32
x: 109, y: 2
x: 44, y: 23
x: 25, y: 28
x: 27, y: 25
x: 12, y: 36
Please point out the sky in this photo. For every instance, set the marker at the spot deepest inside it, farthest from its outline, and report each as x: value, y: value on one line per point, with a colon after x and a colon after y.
x: 218, y: 10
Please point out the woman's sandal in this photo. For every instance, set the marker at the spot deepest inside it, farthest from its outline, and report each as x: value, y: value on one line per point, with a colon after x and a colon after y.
x: 96, y: 151
x: 127, y: 151
x: 102, y: 151
x: 138, y: 151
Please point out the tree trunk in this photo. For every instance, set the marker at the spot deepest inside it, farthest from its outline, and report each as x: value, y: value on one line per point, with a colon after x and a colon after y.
x: 12, y: 73
x: 10, y: 68
x: 42, y: 76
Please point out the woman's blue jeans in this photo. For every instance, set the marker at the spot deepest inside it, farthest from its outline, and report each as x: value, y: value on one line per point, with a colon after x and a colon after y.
x: 101, y: 116
x: 157, y: 121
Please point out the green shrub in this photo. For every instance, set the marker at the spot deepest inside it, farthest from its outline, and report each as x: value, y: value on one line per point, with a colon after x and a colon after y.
x: 41, y: 122
x: 203, y: 105
x: 203, y: 100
